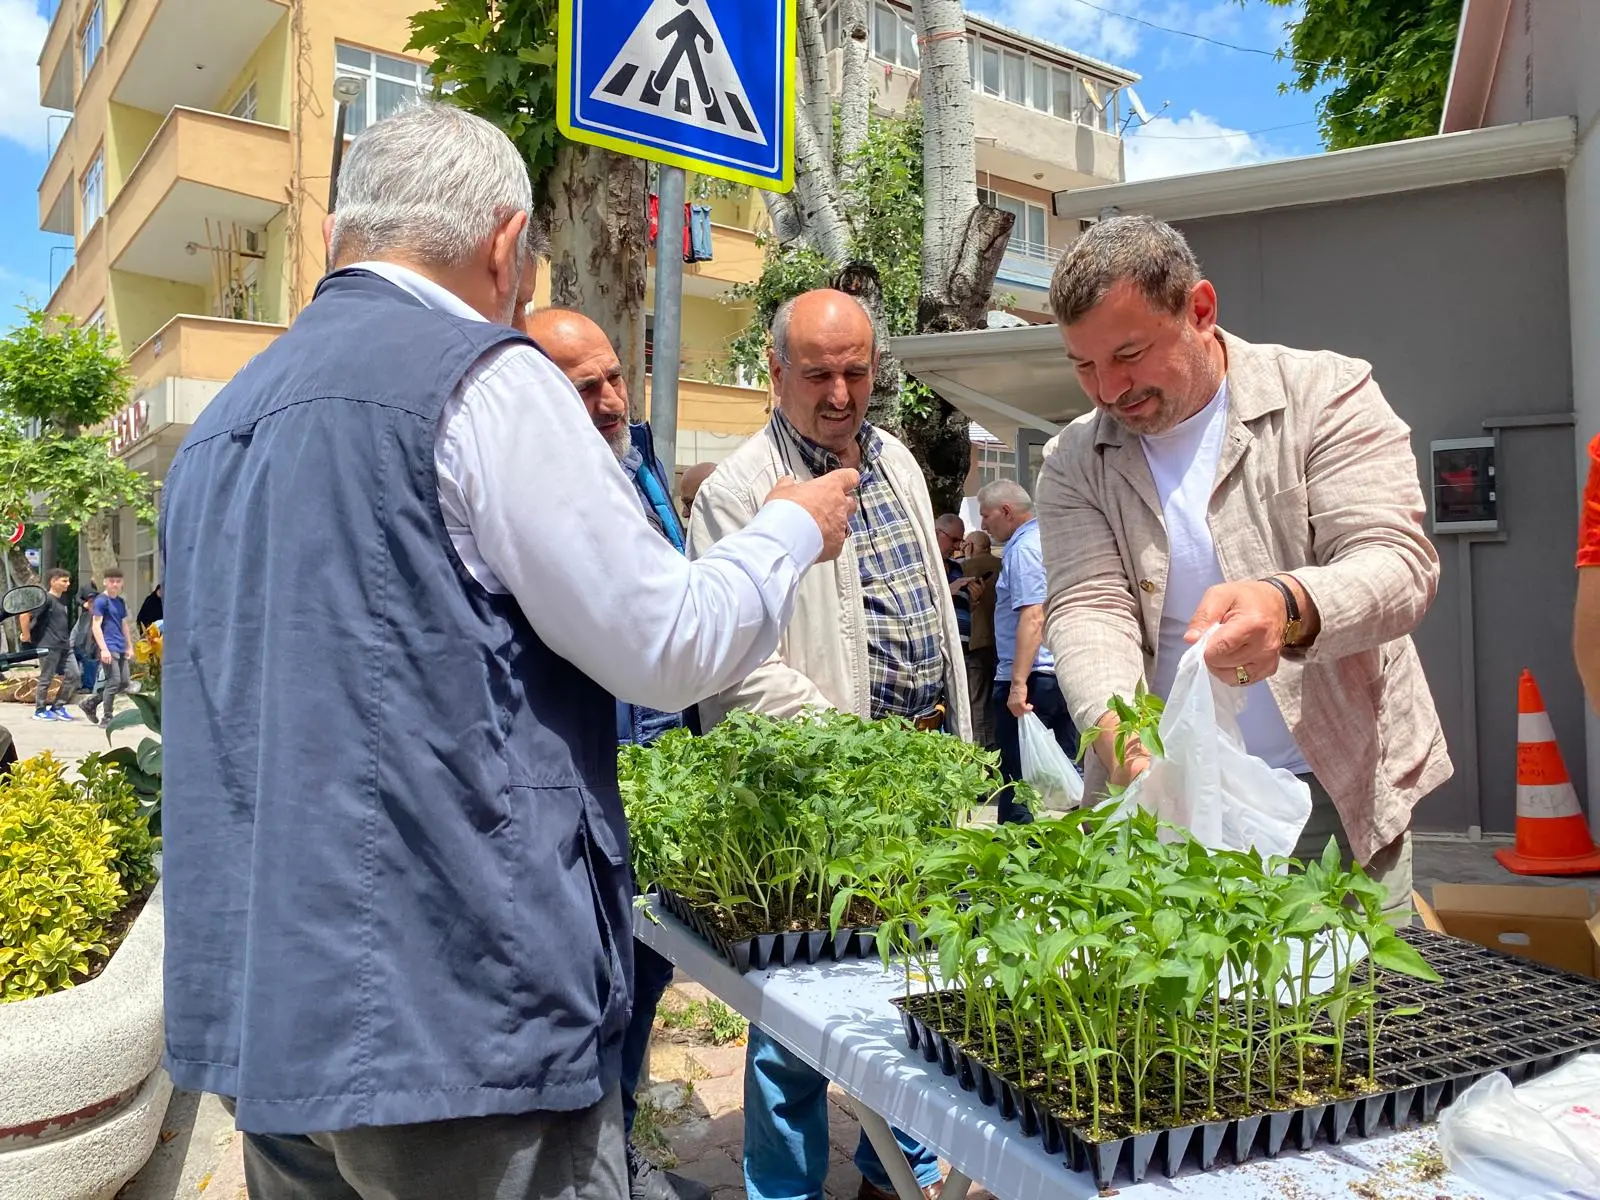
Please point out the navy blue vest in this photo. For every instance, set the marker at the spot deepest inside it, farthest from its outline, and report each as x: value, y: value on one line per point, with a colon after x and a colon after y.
x: 395, y: 855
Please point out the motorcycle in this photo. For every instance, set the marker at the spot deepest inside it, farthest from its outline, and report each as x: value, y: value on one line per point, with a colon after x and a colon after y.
x: 16, y: 602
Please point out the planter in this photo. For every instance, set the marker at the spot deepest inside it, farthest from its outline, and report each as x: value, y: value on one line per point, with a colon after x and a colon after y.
x: 1492, y: 1013
x: 82, y: 1092
x: 764, y: 950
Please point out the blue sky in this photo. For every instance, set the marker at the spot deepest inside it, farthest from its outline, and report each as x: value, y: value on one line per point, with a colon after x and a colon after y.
x: 1223, y: 106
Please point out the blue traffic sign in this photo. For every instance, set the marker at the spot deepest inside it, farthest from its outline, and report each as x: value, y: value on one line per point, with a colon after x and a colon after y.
x: 707, y: 85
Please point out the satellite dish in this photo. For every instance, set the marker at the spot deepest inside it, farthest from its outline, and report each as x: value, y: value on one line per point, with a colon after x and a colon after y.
x: 1138, y: 107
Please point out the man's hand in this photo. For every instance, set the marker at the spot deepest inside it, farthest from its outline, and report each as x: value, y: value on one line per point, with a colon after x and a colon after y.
x: 1252, y: 616
x: 1017, y: 699
x: 829, y: 499
x: 105, y: 657
x: 1135, y: 758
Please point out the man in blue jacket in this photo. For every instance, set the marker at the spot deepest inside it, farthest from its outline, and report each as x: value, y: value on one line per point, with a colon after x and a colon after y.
x: 584, y: 354
x: 399, y: 917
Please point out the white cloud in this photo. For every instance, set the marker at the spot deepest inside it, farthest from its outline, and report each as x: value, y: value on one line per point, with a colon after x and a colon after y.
x: 22, y: 33
x: 1181, y: 146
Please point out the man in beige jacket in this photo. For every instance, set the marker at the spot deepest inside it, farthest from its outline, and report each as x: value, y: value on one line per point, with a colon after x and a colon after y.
x: 874, y: 634
x: 1271, y: 492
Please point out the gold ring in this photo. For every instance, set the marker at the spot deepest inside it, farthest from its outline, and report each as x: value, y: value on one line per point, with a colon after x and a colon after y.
x: 1242, y: 676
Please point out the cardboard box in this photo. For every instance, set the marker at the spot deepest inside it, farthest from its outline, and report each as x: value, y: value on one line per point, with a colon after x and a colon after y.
x: 1557, y: 926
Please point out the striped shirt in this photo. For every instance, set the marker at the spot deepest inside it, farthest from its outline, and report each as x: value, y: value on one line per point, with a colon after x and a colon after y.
x: 905, y: 666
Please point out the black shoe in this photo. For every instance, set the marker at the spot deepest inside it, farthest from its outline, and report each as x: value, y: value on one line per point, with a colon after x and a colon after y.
x: 646, y: 1181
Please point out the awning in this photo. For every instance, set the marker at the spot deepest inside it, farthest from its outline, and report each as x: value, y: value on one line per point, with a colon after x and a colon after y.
x: 1005, y: 379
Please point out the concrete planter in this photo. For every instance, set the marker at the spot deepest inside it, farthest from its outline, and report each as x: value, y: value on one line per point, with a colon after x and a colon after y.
x: 82, y: 1092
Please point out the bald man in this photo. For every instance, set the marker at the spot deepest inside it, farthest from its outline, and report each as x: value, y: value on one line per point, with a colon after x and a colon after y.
x: 874, y: 634
x: 689, y: 485
x: 584, y: 354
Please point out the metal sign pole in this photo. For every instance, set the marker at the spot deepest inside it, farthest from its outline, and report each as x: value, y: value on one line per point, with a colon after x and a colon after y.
x: 669, y: 313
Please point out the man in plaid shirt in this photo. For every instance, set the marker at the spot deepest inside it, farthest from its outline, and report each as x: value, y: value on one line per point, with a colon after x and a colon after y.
x: 874, y: 633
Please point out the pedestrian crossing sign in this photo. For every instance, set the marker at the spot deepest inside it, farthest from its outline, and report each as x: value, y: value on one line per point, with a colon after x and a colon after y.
x: 707, y: 85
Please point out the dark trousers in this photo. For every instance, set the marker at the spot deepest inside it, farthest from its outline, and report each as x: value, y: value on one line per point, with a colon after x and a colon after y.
x: 60, y: 661
x: 651, y: 976
x: 1050, y: 706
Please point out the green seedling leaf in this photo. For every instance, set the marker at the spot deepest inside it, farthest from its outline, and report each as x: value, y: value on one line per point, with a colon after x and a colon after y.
x: 1393, y: 953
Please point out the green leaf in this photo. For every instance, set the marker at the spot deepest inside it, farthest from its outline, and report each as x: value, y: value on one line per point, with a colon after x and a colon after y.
x: 1393, y: 953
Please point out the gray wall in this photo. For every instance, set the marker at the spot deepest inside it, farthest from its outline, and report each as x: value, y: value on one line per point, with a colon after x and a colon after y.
x: 1458, y: 297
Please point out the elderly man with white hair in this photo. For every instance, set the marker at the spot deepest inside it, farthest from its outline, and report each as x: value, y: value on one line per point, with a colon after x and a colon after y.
x: 398, y: 901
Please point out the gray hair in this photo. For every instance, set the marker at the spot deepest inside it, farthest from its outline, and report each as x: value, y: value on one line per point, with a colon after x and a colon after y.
x: 779, y: 328
x: 433, y: 182
x: 951, y: 524
x: 1005, y: 491
x: 1151, y: 254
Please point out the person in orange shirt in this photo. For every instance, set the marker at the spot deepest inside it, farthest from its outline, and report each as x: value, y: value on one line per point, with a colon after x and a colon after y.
x: 1586, y: 621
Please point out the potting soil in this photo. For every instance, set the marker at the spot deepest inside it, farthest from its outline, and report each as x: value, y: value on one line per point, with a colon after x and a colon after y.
x: 774, y: 949
x: 1492, y: 1012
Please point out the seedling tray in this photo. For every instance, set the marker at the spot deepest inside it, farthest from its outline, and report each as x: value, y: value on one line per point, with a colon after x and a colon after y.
x: 1492, y: 1013
x: 763, y: 950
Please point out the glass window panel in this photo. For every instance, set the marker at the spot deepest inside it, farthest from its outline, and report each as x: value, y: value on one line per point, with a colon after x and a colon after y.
x: 1036, y: 228
x: 92, y: 36
x: 398, y: 67
x: 1061, y: 92
x: 349, y: 56
x: 1016, y: 79
x: 1039, y: 95
x: 991, y: 70
x: 392, y: 96
x: 1016, y: 208
x: 885, y: 32
x: 910, y: 56
x: 985, y: 196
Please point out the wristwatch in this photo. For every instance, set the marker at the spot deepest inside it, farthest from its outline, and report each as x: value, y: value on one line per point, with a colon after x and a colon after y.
x: 1291, y: 628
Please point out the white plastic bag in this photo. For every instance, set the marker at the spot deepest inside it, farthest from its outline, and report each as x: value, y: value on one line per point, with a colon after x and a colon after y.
x: 1539, y: 1141
x: 1207, y: 782
x: 1046, y: 766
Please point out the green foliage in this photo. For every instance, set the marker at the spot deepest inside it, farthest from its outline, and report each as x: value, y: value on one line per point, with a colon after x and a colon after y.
x: 1120, y: 968
x: 1139, y: 720
x: 882, y: 204
x: 746, y: 820
x: 497, y: 58
x: 70, y: 854
x: 64, y: 378
x: 59, y: 374
x: 1390, y: 60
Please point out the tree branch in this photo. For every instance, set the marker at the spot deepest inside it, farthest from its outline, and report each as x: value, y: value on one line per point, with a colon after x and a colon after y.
x: 816, y: 197
x: 814, y: 73
x: 855, y: 90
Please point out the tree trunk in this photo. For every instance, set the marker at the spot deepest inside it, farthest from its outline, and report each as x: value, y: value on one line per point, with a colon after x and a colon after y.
x: 785, y: 217
x: 814, y: 73
x: 816, y: 197
x: 962, y: 241
x: 22, y: 571
x: 599, y: 242
x: 96, y: 535
x: 855, y: 85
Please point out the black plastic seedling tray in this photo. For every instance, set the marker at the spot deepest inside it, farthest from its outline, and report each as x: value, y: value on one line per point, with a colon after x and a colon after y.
x: 763, y: 950
x: 1492, y: 1013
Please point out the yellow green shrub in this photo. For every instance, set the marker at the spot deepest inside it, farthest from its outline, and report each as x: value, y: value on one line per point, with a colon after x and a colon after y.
x: 70, y: 852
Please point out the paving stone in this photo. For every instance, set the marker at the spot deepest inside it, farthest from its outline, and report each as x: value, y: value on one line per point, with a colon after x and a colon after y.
x: 715, y: 1170
x: 721, y: 1096
x: 719, y: 1062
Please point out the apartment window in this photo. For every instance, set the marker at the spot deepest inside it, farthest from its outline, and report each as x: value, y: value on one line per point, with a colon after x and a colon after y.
x: 989, y: 67
x: 93, y: 190
x: 1014, y: 79
x: 893, y: 39
x: 92, y: 37
x: 391, y: 83
x: 245, y: 106
x: 1028, y: 233
x: 1039, y: 86
x: 97, y: 320
x: 830, y: 28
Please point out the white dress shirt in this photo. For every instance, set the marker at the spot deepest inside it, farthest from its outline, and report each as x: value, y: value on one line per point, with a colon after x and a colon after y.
x: 538, y: 507
x: 1183, y: 463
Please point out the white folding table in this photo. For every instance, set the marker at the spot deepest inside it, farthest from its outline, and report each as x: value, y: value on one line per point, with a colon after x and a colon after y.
x: 837, y: 1017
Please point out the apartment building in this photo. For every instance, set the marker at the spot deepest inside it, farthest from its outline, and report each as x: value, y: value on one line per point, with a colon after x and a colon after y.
x: 190, y: 171
x: 1045, y: 119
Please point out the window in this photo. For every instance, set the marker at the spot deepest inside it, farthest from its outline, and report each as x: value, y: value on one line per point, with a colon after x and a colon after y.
x: 989, y: 62
x: 92, y: 37
x: 390, y: 84
x: 245, y: 106
x: 893, y: 39
x: 1062, y: 95
x: 1015, y: 79
x: 1028, y: 234
x: 93, y: 189
x: 97, y: 320
x: 1039, y: 92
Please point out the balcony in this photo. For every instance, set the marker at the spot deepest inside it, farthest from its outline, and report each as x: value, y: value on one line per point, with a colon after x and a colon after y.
x: 736, y: 257
x: 186, y: 52
x: 56, y: 63
x: 201, y: 175
x: 190, y: 347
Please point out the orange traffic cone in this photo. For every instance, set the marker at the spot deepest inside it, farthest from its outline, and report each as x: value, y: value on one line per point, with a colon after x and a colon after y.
x: 1552, y: 835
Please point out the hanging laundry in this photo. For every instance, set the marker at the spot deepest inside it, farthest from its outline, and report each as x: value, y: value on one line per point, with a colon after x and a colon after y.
x: 655, y: 225
x: 700, y: 233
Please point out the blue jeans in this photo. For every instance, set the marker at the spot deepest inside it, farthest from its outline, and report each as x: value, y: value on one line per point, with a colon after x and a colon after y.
x: 786, y: 1130
x: 91, y: 669
x: 651, y: 975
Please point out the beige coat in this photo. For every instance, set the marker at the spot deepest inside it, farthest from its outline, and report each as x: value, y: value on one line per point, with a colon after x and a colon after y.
x: 822, y: 657
x: 1317, y: 477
